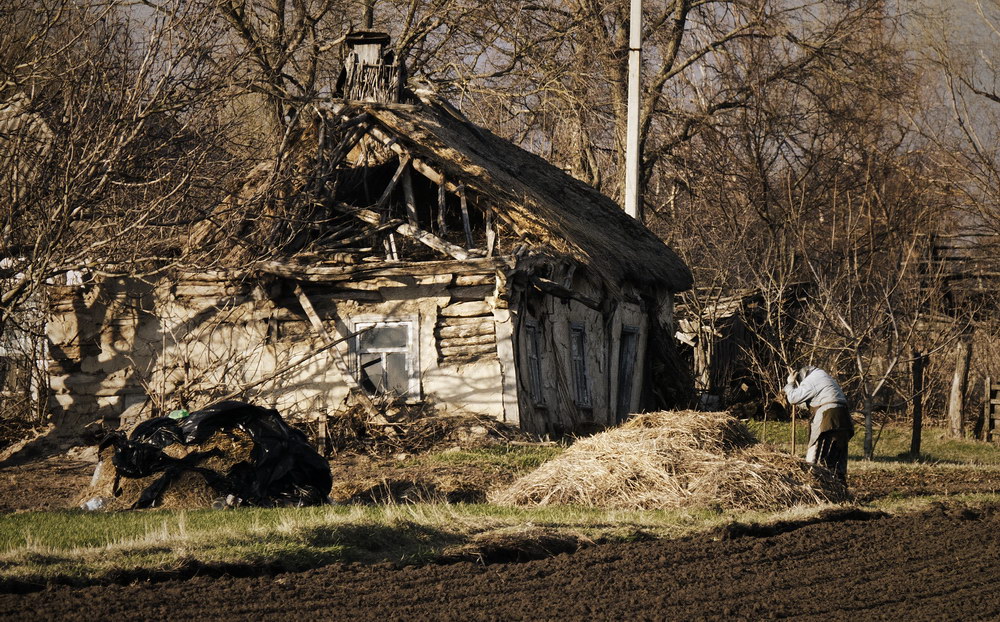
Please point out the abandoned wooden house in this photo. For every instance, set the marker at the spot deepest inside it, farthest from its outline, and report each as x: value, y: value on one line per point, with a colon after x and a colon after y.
x: 426, y: 259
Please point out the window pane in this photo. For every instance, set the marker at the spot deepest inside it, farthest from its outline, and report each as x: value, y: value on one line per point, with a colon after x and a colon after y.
x: 372, y: 373
x: 397, y: 375
x: 384, y: 337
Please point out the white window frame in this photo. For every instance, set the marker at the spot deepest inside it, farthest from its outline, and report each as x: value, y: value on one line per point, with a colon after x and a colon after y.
x: 578, y: 365
x: 412, y: 349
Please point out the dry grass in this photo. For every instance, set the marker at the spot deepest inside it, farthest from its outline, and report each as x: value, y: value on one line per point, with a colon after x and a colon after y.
x: 670, y: 460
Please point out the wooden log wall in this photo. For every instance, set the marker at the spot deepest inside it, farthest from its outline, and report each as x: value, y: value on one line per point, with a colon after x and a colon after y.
x: 466, y: 328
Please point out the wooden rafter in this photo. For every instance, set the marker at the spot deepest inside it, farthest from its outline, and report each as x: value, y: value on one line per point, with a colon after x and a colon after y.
x: 425, y: 237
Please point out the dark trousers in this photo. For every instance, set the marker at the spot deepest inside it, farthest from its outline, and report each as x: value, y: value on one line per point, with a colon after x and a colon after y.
x: 831, y: 451
x: 830, y: 432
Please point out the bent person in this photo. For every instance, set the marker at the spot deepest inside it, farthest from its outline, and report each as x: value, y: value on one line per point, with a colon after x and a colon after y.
x: 831, y: 426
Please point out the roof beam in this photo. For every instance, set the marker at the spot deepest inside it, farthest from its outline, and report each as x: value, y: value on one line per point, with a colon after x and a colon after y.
x: 425, y: 237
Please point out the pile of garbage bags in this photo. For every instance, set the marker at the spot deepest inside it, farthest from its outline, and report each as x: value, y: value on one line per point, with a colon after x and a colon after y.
x: 279, y: 466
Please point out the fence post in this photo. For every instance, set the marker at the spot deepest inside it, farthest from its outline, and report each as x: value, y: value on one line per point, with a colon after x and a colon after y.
x: 959, y: 382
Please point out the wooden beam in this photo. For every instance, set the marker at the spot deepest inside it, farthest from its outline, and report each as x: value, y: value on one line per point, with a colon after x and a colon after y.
x: 491, y: 234
x: 465, y: 216
x: 404, y: 163
x: 411, y: 201
x: 442, y: 208
x: 355, y: 120
x: 433, y: 241
x: 392, y: 253
x: 416, y: 233
x: 419, y: 165
x: 553, y: 288
x: 321, y: 274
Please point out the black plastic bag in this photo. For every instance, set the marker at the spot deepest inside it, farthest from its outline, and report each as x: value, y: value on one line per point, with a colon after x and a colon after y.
x: 282, y: 469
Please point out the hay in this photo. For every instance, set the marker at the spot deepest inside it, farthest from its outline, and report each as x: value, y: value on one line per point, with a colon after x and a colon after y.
x: 672, y: 460
x: 189, y: 490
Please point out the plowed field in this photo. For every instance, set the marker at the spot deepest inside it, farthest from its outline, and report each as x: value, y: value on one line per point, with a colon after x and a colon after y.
x: 942, y: 564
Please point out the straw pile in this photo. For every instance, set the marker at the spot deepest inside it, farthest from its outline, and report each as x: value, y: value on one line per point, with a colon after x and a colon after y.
x: 189, y: 490
x: 671, y: 460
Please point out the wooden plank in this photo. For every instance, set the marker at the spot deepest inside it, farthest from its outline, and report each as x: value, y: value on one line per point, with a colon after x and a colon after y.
x: 418, y: 234
x: 355, y: 120
x: 429, y: 239
x: 472, y: 280
x: 468, y: 341
x: 465, y: 216
x: 467, y: 309
x: 354, y: 295
x: 411, y: 201
x: 442, y: 209
x: 468, y: 331
x: 553, y: 288
x: 472, y: 292
x: 956, y: 401
x: 404, y: 163
x: 389, y: 243
x: 418, y: 164
x: 491, y: 234
x: 469, y: 350
x: 321, y: 434
x: 322, y: 273
x: 460, y: 321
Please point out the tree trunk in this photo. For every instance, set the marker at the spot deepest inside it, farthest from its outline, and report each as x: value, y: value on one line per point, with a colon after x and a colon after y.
x: 918, y: 402
x: 869, y: 438
x: 956, y: 403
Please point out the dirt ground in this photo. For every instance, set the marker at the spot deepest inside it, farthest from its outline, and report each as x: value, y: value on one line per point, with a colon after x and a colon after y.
x: 939, y: 565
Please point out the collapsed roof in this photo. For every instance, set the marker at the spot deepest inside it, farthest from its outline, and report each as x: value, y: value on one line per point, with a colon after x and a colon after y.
x: 365, y: 172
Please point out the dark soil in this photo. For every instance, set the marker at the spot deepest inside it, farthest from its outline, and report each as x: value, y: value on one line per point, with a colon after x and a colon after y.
x: 939, y: 565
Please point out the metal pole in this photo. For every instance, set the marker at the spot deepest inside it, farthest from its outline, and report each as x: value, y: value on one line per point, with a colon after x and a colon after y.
x: 632, y: 129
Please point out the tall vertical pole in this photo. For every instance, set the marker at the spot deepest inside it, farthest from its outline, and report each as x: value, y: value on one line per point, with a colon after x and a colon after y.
x: 632, y: 129
x: 369, y: 16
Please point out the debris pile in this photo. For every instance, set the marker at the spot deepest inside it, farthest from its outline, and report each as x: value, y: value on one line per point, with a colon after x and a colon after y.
x: 225, y: 455
x: 675, y: 459
x: 416, y: 428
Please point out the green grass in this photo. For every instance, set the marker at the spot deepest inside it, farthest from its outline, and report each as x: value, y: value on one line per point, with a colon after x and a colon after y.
x: 892, y: 443
x: 80, y: 547
x: 84, y: 548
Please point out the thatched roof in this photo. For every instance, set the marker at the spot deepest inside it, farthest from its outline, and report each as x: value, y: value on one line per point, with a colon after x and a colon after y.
x: 539, y: 201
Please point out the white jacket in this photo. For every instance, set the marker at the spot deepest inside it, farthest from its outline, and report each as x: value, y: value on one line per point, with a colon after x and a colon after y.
x: 815, y: 388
